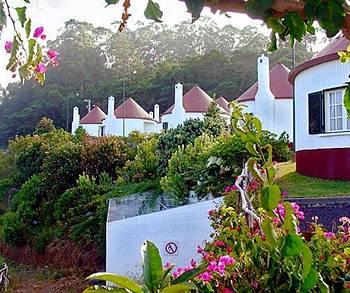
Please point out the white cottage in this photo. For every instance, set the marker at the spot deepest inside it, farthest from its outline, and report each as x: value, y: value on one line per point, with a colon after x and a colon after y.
x: 194, y: 104
x: 128, y: 117
x: 322, y: 129
x: 92, y: 122
x: 271, y: 98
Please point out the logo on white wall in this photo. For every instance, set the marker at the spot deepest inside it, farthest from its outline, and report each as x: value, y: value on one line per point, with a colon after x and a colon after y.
x: 171, y: 248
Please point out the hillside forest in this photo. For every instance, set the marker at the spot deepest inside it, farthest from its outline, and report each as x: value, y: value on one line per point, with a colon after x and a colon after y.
x: 94, y: 62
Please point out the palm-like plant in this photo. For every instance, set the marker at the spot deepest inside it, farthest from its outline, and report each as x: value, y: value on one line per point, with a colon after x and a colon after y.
x: 157, y: 279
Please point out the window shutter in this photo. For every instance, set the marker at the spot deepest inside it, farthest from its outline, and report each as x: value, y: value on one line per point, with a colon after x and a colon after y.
x: 316, y: 113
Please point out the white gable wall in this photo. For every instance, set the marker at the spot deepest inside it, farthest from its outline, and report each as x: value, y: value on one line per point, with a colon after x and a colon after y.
x: 317, y: 78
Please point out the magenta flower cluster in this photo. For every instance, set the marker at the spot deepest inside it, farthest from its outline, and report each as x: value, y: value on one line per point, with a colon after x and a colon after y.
x: 179, y: 271
x: 280, y: 211
x: 52, y: 56
x: 230, y: 188
x: 216, y: 266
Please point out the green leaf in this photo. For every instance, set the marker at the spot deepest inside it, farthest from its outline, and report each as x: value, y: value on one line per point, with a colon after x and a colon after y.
x: 259, y: 8
x: 311, y: 7
x: 310, y: 281
x: 293, y: 245
x: 331, y: 16
x: 347, y: 99
x: 27, y: 1
x: 275, y: 24
x: 13, y: 58
x: 273, y: 42
x: 251, y: 162
x: 153, y: 11
x: 111, y: 2
x: 269, y: 231
x: 180, y: 288
x: 24, y: 71
x: 251, y: 148
x: 28, y: 27
x: 2, y: 16
x: 152, y: 265
x: 295, y: 25
x: 307, y: 260
x: 289, y: 220
x: 117, y: 280
x: 195, y: 7
x: 187, y: 276
x: 257, y: 124
x: 31, y: 46
x: 271, y: 196
x: 21, y: 12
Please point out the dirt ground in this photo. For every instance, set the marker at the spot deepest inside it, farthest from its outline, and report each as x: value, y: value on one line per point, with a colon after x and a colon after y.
x: 43, y: 280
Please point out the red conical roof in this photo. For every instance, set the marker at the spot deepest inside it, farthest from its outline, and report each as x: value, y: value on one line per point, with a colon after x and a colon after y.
x: 194, y: 101
x: 279, y: 85
x: 328, y: 53
x: 223, y: 103
x: 95, y: 116
x: 131, y: 109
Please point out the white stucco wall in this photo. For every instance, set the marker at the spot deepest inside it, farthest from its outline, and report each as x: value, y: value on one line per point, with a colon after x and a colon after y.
x: 281, y: 115
x: 317, y: 78
x: 114, y: 126
x: 283, y: 120
x: 91, y: 129
x: 186, y: 226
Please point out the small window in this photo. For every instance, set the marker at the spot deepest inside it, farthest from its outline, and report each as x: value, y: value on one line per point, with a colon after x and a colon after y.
x: 336, y: 115
x: 101, y: 130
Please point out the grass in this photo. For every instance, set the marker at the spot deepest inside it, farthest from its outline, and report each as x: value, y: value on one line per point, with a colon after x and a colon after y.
x: 297, y: 185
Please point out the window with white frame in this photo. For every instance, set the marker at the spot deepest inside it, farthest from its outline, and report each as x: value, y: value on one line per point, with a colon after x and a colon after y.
x: 335, y: 112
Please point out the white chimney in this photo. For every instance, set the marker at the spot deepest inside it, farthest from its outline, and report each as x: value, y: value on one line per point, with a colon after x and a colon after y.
x: 178, y: 105
x: 110, y: 112
x: 151, y: 114
x: 264, y: 98
x: 264, y: 76
x: 76, y: 119
x: 156, y: 112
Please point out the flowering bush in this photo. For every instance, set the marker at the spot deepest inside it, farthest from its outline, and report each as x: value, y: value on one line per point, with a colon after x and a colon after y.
x: 261, y: 234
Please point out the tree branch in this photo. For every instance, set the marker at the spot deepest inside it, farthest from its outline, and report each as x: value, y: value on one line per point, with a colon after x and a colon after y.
x: 280, y: 8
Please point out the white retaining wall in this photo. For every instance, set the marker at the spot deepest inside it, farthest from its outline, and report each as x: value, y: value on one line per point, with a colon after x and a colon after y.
x: 186, y: 227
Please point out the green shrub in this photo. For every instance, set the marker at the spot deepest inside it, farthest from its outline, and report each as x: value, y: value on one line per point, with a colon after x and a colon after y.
x: 13, y: 230
x: 145, y: 164
x: 62, y: 167
x: 214, y: 124
x: 281, y: 150
x: 45, y: 125
x: 186, y: 167
x: 27, y: 202
x: 169, y: 140
x: 103, y: 154
x: 81, y: 211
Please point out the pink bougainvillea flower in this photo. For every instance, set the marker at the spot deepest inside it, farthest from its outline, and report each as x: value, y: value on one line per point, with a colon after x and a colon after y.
x: 227, y: 189
x: 200, y: 249
x: 227, y: 290
x: 276, y: 220
x: 219, y: 243
x: 211, y: 212
x: 193, y: 263
x: 167, y: 265
x: 329, y: 235
x: 38, y: 32
x: 205, y: 277
x: 52, y: 54
x: 227, y: 260
x: 43, y: 37
x: 284, y: 193
x: 40, y: 68
x: 8, y: 46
